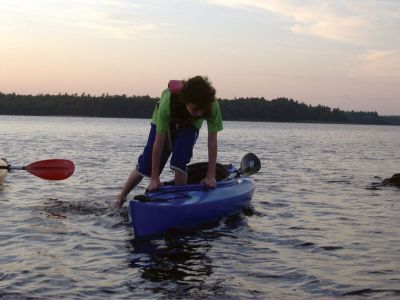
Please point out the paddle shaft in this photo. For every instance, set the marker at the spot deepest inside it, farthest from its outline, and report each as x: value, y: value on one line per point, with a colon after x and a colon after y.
x: 9, y: 168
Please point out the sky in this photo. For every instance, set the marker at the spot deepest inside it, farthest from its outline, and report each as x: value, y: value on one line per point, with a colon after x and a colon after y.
x: 340, y: 53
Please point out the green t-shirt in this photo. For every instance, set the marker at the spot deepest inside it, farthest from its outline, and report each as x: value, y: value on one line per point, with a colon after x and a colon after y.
x: 162, y: 115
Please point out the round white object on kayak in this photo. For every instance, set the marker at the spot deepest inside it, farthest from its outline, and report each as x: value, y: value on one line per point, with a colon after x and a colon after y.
x: 3, y: 172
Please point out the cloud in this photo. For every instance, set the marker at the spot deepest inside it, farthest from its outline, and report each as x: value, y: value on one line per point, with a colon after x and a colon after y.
x: 117, y: 19
x: 340, y: 20
x: 383, y: 64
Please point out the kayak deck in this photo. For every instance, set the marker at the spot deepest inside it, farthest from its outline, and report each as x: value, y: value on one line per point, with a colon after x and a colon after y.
x: 188, y: 206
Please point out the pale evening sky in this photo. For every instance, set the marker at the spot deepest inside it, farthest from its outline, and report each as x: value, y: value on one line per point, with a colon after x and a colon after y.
x: 339, y: 53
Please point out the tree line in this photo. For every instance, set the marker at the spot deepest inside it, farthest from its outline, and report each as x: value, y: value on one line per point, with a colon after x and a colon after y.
x: 238, y: 109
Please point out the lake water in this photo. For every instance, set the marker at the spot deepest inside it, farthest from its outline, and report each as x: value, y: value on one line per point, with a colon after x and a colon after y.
x: 315, y: 228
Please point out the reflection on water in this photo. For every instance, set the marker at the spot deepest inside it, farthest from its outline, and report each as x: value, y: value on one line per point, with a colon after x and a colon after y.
x: 180, y: 260
x: 180, y: 264
x: 317, y: 226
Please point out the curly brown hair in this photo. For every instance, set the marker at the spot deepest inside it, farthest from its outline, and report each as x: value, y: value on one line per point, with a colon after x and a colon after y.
x: 199, y: 91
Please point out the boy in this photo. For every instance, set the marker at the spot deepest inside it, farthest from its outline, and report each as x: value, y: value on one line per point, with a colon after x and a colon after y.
x: 175, y: 126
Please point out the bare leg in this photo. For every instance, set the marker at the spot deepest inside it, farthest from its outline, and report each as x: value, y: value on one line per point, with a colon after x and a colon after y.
x: 180, y: 177
x: 133, y: 180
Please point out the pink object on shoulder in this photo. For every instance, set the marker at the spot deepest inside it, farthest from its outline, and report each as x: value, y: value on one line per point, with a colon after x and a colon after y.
x: 175, y: 86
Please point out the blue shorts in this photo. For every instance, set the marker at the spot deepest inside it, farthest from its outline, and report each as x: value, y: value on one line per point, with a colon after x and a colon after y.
x: 183, y: 141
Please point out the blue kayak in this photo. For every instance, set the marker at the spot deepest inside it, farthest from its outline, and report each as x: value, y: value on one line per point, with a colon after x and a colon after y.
x: 189, y: 206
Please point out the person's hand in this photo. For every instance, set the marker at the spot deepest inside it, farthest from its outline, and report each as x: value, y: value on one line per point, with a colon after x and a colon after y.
x: 154, y: 184
x: 121, y: 198
x: 210, y: 182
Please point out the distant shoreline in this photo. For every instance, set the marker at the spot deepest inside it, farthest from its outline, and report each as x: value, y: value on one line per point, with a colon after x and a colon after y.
x: 281, y: 110
x: 149, y: 119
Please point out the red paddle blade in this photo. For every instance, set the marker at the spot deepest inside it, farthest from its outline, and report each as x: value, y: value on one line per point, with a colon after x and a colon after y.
x: 52, y: 169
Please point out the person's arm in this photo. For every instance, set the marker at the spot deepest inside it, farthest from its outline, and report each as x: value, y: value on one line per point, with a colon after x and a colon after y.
x: 210, y: 180
x: 155, y: 161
